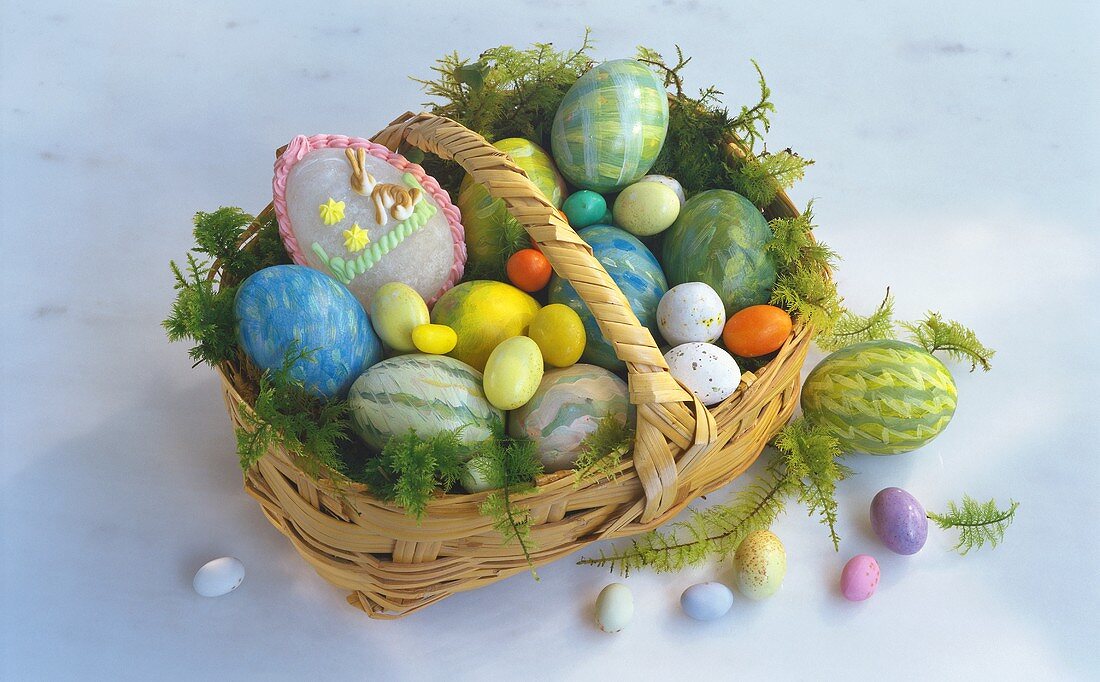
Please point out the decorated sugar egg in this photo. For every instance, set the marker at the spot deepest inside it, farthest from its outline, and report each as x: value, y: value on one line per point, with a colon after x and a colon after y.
x: 638, y: 276
x: 646, y: 208
x: 483, y: 313
x: 491, y: 231
x: 610, y: 126
x: 707, y: 370
x: 428, y: 394
x: 365, y: 215
x: 513, y: 372
x: 566, y: 408
x: 395, y: 310
x: 720, y: 238
x: 290, y: 306
x: 880, y: 397
x: 691, y: 311
x: 672, y: 183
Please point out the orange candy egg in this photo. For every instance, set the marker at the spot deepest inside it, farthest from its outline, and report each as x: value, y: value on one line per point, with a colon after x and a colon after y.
x: 529, y: 270
x: 757, y: 330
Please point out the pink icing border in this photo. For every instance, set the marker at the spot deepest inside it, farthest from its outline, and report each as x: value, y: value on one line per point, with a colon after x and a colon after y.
x: 302, y: 145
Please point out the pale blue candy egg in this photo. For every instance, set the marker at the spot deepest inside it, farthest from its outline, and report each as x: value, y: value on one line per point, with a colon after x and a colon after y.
x: 706, y: 601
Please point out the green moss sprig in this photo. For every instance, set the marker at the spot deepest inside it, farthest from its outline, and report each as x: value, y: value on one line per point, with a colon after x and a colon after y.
x: 804, y: 466
x: 851, y: 328
x: 977, y: 523
x: 602, y: 451
x: 410, y: 469
x: 510, y: 466
x: 960, y: 343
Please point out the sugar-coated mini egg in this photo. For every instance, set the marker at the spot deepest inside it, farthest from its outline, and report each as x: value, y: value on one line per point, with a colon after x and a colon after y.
x: 859, y: 578
x: 614, y: 607
x: 760, y: 563
x: 708, y: 371
x: 218, y: 577
x: 395, y: 310
x: 899, y: 520
x: 435, y: 339
x: 671, y: 183
x: 706, y: 601
x: 646, y: 208
x: 584, y: 208
x: 691, y: 311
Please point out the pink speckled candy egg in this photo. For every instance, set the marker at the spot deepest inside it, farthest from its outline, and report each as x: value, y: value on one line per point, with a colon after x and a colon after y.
x: 859, y: 578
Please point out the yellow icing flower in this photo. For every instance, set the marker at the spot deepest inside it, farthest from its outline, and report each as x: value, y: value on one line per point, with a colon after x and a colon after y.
x: 356, y: 239
x: 332, y: 211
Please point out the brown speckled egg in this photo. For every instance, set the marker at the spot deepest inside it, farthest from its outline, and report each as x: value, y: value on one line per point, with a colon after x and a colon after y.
x: 760, y: 564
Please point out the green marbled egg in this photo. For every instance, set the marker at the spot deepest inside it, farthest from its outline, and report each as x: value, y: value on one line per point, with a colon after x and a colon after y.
x: 610, y: 126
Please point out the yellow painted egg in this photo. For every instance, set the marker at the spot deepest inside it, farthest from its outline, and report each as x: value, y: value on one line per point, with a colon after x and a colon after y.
x: 395, y: 310
x: 760, y: 563
x: 436, y: 339
x: 483, y: 313
x: 559, y: 333
x: 513, y: 373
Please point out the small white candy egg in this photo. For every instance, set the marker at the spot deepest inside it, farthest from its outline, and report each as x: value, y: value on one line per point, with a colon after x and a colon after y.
x: 708, y: 371
x: 614, y: 607
x: 218, y: 577
x: 691, y: 311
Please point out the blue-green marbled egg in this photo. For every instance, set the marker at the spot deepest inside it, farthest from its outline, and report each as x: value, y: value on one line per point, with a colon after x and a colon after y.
x: 610, y: 126
x: 636, y: 272
x: 285, y: 305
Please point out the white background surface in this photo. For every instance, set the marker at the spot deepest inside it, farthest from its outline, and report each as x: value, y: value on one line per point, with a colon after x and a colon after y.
x: 957, y: 162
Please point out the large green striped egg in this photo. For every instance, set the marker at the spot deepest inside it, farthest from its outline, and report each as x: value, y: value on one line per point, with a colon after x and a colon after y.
x: 610, y: 126
x: 567, y: 408
x: 428, y: 394
x: 720, y: 238
x: 634, y: 270
x: 492, y: 234
x: 880, y: 397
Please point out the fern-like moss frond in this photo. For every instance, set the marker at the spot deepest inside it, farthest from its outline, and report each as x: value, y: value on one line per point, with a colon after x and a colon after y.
x: 978, y: 523
x: 959, y: 342
x: 602, y: 450
x: 851, y: 328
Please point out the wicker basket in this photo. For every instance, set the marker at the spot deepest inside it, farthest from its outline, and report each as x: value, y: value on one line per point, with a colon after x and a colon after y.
x: 393, y: 565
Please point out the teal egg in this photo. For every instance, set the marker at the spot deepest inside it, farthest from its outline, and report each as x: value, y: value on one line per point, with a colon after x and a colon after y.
x: 610, y: 126
x: 639, y: 277
x: 584, y: 208
x: 720, y: 238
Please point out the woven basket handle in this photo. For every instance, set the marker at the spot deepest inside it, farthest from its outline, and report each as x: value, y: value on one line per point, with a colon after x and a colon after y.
x: 672, y: 424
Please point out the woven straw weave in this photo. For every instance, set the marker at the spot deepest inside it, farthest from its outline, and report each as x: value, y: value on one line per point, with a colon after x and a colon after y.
x: 392, y: 565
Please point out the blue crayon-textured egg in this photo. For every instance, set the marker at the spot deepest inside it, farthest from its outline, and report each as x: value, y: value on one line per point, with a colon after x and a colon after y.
x: 638, y: 276
x: 287, y: 305
x: 899, y: 520
x: 706, y: 601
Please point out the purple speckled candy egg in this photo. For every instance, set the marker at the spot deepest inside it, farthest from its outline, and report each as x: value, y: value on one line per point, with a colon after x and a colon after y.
x: 898, y: 519
x: 859, y: 578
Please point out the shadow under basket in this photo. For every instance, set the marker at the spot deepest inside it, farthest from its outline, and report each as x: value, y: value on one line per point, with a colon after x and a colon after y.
x: 393, y: 565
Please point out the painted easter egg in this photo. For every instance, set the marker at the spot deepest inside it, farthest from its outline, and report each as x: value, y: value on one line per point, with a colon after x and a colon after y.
x: 365, y: 215
x: 880, y: 397
x: 646, y: 208
x: 899, y: 520
x: 428, y: 394
x: 720, y: 238
x: 483, y: 313
x: 610, y: 126
x: 290, y: 306
x: 705, y: 369
x: 395, y: 310
x: 513, y: 372
x: 691, y: 311
x: 566, y: 408
x: 492, y: 234
x: 760, y: 563
x: 859, y: 579
x: 672, y: 183
x: 638, y: 276
x: 559, y: 333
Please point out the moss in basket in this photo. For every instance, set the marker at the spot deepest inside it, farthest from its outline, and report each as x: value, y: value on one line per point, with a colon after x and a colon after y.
x: 602, y: 451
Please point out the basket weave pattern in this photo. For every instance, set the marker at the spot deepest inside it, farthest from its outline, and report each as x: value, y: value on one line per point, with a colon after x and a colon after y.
x: 393, y: 565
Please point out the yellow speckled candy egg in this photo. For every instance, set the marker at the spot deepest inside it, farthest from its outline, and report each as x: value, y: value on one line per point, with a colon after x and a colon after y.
x: 436, y: 339
x: 395, y: 310
x: 760, y: 564
x: 513, y: 373
x: 646, y: 208
x: 559, y: 333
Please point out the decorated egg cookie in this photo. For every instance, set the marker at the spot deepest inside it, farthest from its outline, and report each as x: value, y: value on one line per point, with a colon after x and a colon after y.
x: 366, y: 216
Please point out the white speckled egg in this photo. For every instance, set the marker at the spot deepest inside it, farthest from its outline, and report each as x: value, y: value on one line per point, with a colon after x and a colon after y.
x: 706, y: 601
x: 708, y: 371
x: 691, y: 311
x: 614, y: 607
x: 671, y: 183
x: 218, y: 577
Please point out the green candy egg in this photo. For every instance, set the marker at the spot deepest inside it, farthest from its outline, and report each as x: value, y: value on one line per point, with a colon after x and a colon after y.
x: 646, y: 208
x: 584, y: 208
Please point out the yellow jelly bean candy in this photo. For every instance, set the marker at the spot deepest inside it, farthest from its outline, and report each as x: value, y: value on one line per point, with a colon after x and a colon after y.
x: 437, y: 339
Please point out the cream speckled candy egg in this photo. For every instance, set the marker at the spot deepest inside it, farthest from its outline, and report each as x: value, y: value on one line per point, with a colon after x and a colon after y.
x: 218, y: 577
x: 692, y: 311
x: 760, y: 564
x: 614, y: 607
x: 671, y: 183
x: 708, y: 371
